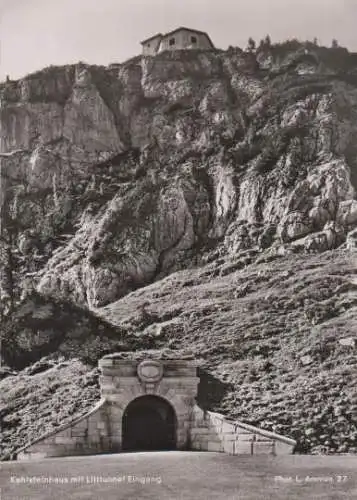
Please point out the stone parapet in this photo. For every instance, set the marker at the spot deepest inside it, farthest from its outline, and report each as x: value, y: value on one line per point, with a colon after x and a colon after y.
x: 234, y: 437
x: 112, y: 366
x: 80, y: 436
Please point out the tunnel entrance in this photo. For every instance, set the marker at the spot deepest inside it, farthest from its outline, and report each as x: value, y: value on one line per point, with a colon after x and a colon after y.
x: 149, y: 424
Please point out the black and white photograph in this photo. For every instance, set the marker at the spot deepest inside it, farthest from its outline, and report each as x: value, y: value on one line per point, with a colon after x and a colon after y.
x: 178, y: 249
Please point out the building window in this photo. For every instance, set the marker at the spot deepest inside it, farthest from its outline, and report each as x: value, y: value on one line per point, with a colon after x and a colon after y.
x: 148, y: 45
x: 172, y: 41
x: 193, y: 39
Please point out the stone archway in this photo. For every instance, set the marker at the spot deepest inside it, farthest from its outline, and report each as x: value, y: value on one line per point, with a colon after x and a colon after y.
x: 150, y: 405
x: 149, y: 424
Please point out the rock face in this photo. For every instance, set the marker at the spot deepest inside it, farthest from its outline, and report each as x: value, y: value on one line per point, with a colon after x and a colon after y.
x: 114, y: 177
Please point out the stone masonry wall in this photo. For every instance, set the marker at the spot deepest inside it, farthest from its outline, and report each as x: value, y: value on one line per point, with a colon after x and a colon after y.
x: 183, y: 41
x: 122, y: 381
x: 89, y: 434
x: 213, y: 432
x: 120, y: 385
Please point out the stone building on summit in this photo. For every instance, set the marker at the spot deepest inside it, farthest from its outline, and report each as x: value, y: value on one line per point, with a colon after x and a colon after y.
x: 178, y: 39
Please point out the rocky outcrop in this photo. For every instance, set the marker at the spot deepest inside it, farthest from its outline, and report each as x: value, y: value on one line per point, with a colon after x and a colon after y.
x: 115, y: 177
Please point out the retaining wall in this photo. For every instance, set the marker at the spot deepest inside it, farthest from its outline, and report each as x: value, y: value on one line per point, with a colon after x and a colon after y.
x: 214, y: 432
x: 89, y: 434
x: 93, y: 434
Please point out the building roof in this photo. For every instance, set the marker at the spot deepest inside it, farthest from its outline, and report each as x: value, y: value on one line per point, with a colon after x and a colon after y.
x: 158, y: 35
x: 181, y: 28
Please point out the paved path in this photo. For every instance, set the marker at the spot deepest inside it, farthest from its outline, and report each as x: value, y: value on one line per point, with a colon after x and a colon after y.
x: 180, y: 475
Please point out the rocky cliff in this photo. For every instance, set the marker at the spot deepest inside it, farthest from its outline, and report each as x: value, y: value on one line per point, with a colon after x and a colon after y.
x: 114, y: 180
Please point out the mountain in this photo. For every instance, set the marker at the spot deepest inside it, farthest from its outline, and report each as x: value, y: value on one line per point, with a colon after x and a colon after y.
x: 200, y: 201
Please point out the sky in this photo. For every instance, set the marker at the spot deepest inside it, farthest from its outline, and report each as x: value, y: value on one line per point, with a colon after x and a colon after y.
x: 37, y: 33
